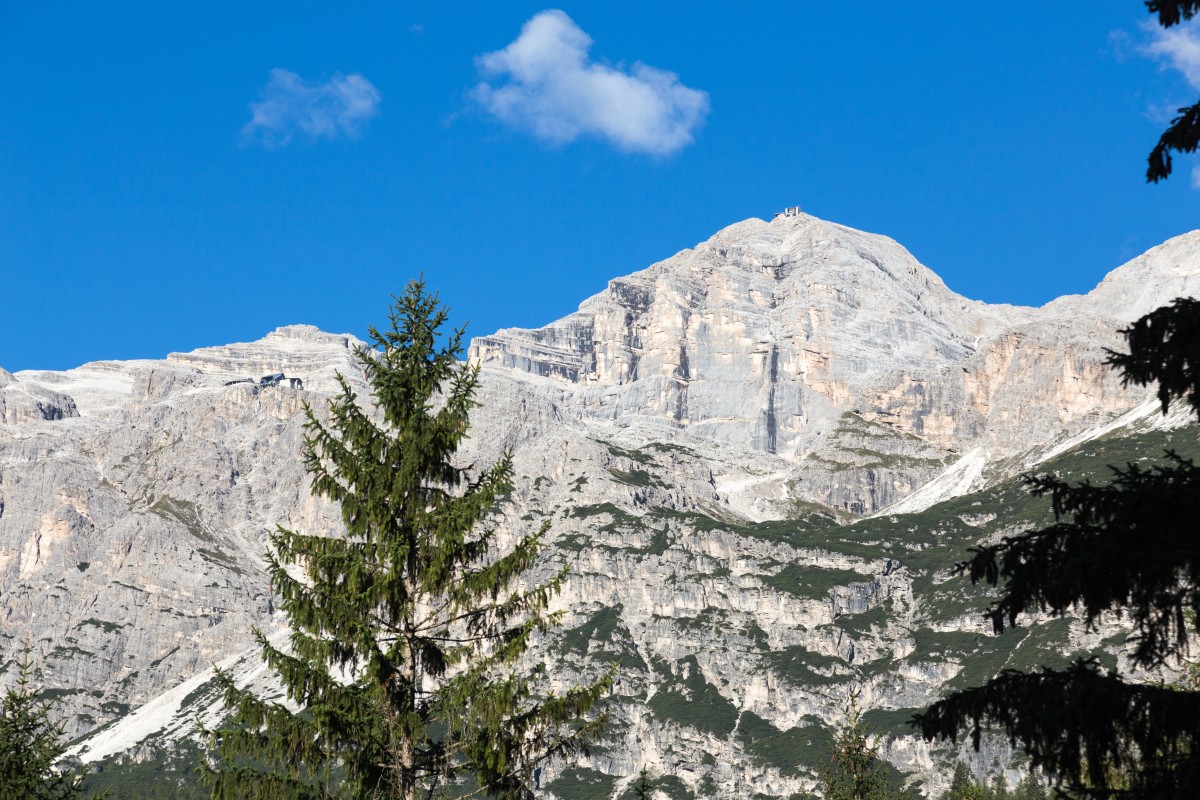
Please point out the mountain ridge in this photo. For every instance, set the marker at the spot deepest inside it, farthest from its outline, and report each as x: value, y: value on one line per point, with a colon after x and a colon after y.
x: 731, y: 406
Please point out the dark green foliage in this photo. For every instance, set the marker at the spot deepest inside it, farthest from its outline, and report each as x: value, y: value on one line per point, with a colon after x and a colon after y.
x: 1164, y: 348
x: 1183, y: 134
x: 632, y: 455
x: 643, y: 787
x: 673, y: 788
x: 790, y: 751
x: 1127, y: 547
x: 407, y: 632
x: 581, y: 783
x: 30, y: 744
x: 688, y: 699
x: 600, y: 627
x: 166, y: 775
x: 964, y: 787
x: 802, y: 667
x: 854, y: 771
x: 812, y: 581
x: 636, y: 477
x: 1029, y: 789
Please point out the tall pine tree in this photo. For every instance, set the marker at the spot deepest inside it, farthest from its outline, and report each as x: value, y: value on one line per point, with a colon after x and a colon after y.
x: 1126, y: 548
x: 403, y: 677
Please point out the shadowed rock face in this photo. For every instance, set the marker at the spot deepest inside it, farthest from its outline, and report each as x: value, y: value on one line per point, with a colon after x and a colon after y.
x: 776, y: 369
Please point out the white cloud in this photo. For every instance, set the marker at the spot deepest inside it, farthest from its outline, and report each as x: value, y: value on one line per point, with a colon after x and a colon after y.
x: 546, y: 83
x: 1177, y: 47
x: 290, y: 105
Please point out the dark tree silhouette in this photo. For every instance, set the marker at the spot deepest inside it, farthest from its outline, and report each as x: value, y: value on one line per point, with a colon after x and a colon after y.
x: 1129, y: 547
x: 1183, y: 134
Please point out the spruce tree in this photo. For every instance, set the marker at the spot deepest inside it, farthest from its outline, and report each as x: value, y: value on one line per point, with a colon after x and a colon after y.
x: 854, y: 771
x: 1130, y: 548
x: 403, y: 678
x: 31, y: 743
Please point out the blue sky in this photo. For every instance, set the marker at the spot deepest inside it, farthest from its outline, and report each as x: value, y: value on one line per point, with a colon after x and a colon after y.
x: 174, y: 175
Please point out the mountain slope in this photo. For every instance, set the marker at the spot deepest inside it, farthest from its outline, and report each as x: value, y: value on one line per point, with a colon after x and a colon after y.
x: 709, y: 437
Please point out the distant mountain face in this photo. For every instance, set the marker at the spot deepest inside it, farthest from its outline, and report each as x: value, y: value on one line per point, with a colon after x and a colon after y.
x: 761, y: 457
x: 768, y: 335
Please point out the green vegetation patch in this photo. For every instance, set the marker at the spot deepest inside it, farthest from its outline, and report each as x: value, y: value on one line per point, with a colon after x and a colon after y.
x: 669, y: 447
x: 693, y: 702
x: 220, y: 558
x: 204, y: 693
x: 801, y: 667
x: 582, y: 783
x: 673, y: 787
x: 185, y: 513
x: 620, y: 518
x: 811, y: 581
x: 164, y: 657
x: 796, y: 750
x: 70, y: 652
x: 168, y: 774
x: 890, y: 722
x: 600, y: 627
x: 636, y: 477
x: 104, y: 625
x: 633, y: 455
x: 710, y: 619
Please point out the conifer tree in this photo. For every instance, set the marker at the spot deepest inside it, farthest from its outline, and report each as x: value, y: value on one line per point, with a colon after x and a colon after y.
x: 31, y: 743
x: 403, y: 677
x: 644, y: 787
x: 1132, y: 548
x: 854, y: 771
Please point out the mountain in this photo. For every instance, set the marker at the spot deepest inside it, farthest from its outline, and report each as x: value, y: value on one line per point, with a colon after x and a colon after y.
x: 761, y: 458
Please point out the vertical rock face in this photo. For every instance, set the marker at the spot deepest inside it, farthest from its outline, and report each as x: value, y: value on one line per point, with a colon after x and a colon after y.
x: 698, y: 433
x: 760, y: 336
x: 769, y: 334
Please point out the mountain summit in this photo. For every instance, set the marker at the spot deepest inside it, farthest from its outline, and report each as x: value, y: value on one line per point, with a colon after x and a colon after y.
x: 761, y: 458
x: 770, y: 333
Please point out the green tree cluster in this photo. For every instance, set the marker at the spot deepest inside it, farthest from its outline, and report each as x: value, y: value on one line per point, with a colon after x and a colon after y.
x: 963, y: 786
x: 403, y: 679
x: 1128, y: 547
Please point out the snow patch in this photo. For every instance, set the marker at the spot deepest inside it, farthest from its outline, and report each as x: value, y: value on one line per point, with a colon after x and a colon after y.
x: 957, y: 479
x: 165, y: 716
